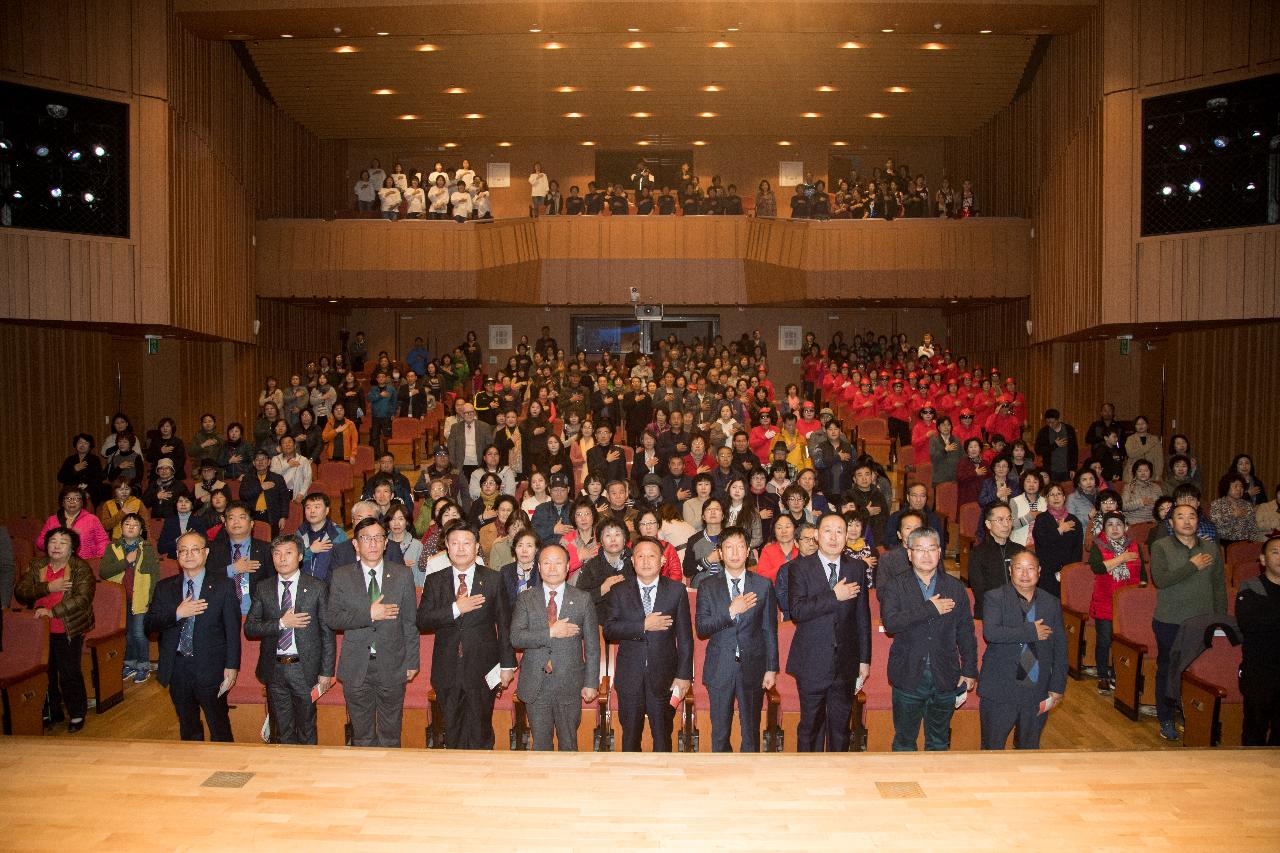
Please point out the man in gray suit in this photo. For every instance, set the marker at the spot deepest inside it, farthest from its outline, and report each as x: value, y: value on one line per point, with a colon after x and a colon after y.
x: 298, y: 649
x: 1024, y: 670
x: 738, y: 612
x: 373, y: 602
x: 555, y: 623
x: 467, y: 440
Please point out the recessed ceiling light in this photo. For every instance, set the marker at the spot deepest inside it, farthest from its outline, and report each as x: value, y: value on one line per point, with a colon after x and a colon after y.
x: 333, y: 302
x: 426, y: 48
x: 875, y: 115
x: 473, y: 115
x: 707, y: 114
x: 286, y: 35
x: 720, y: 43
x: 346, y: 48
x: 887, y: 30
x: 455, y: 90
x: 638, y: 45
x: 732, y: 29
x: 408, y: 117
x: 504, y: 144
x: 699, y: 142
x: 566, y: 89
x: 633, y: 29
x: 643, y: 142
x: 933, y: 45
x: 641, y: 115
x: 384, y: 34
x: 897, y: 90
x: 853, y: 45
x: 553, y: 45
x: 637, y: 88
x: 826, y: 87
x: 811, y: 115
x: 384, y: 91
x: 712, y: 87
x: 985, y: 32
x: 573, y: 115
x: 588, y: 143
x: 451, y: 145
x: 784, y: 143
x: 535, y: 29
x: 840, y: 143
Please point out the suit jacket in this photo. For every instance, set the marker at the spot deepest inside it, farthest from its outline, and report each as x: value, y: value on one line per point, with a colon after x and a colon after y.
x: 511, y: 580
x: 662, y: 656
x: 216, y: 640
x: 575, y: 661
x: 468, y: 647
x: 278, y: 496
x: 832, y: 637
x: 457, y: 441
x: 316, y: 644
x: 344, y: 553
x: 918, y: 630
x: 1005, y: 628
x: 220, y: 557
x: 598, y: 464
x: 754, y: 634
x: 396, y: 640
x: 594, y: 573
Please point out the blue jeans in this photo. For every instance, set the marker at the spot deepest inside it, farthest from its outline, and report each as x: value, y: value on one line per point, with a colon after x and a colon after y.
x: 390, y: 214
x: 137, y: 651
x: 1166, y: 633
x: 1102, y: 648
x: 926, y: 703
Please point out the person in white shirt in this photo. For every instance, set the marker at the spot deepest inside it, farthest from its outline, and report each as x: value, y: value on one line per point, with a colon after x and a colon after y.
x: 366, y: 192
x: 438, y: 172
x: 389, y: 199
x: 294, y: 469
x: 465, y: 173
x: 538, y: 188
x: 483, y: 205
x: 376, y: 173
x: 417, y: 199
x: 438, y: 199
x: 398, y: 175
x: 461, y: 201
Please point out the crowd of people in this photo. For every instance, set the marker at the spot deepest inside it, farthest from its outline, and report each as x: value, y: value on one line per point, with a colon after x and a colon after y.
x: 888, y: 192
x: 590, y: 493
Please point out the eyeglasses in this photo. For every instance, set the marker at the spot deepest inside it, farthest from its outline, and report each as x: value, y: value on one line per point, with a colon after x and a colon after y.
x: 188, y: 552
x: 927, y: 549
x: 372, y: 538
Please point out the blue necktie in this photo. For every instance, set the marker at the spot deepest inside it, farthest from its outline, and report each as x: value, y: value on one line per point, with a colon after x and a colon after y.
x: 186, y: 642
x: 286, y: 636
x: 833, y: 576
x: 648, y: 599
x: 737, y: 652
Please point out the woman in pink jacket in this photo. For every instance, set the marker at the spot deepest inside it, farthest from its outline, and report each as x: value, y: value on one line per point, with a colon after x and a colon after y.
x: 75, y: 515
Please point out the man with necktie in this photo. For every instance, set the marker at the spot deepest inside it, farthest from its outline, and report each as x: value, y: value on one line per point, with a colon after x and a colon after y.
x: 738, y: 616
x: 198, y: 619
x: 467, y: 607
x: 245, y: 560
x: 649, y: 620
x: 297, y: 650
x: 372, y: 601
x: 830, y: 653
x: 555, y: 623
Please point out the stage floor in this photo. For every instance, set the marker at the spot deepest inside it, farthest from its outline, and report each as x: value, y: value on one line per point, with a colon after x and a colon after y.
x: 147, y: 796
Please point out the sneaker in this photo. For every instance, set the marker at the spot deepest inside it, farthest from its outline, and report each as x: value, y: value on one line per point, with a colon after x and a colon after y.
x: 1169, y: 731
x: 129, y: 672
x: 1089, y: 671
x: 1105, y: 687
x: 141, y: 676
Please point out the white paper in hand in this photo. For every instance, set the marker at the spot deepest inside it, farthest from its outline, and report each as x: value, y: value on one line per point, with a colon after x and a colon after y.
x: 857, y: 685
x: 961, y: 699
x: 494, y: 676
x: 226, y: 686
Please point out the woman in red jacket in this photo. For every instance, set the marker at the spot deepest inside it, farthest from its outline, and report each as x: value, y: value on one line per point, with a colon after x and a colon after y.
x: 1116, y: 562
x: 763, y: 436
x: 648, y: 523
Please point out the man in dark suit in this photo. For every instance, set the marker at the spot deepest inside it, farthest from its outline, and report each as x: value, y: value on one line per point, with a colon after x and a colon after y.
x: 738, y: 615
x: 372, y: 601
x: 344, y: 552
x: 934, y: 657
x: 467, y: 440
x: 266, y: 493
x: 466, y: 606
x: 244, y: 560
x: 555, y: 624
x: 198, y: 620
x: 297, y: 650
x: 606, y: 460
x: 649, y: 620
x: 830, y: 653
x: 1024, y: 670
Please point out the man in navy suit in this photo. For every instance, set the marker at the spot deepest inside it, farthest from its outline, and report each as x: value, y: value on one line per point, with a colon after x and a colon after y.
x: 738, y: 615
x: 649, y: 620
x: 830, y: 653
x: 1024, y: 670
x: 198, y: 619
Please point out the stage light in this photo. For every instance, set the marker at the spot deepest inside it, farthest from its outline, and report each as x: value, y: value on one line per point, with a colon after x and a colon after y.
x: 56, y: 110
x: 1166, y: 190
x: 1220, y: 142
x: 40, y: 149
x: 1256, y: 133
x: 1185, y: 146
x: 75, y: 155
x: 99, y: 151
x: 16, y: 195
x: 89, y: 197
x: 6, y: 145
x: 1194, y: 187
x: 55, y: 192
x: 1250, y: 187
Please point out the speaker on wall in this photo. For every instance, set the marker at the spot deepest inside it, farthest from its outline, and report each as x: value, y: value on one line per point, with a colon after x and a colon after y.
x: 648, y: 312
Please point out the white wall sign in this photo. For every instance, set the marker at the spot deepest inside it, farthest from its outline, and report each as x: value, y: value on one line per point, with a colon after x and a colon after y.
x: 789, y: 338
x: 498, y: 175
x: 499, y: 337
x: 790, y: 173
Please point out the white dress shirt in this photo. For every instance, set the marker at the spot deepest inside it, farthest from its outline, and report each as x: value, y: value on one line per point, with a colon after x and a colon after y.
x: 470, y: 574
x: 293, y: 593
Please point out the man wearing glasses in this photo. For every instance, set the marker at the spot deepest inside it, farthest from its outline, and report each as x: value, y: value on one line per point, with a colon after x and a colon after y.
x: 373, y: 601
x: 933, y: 662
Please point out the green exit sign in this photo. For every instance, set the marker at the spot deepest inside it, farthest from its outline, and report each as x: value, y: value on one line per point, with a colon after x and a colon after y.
x: 1124, y: 346
x: 153, y: 344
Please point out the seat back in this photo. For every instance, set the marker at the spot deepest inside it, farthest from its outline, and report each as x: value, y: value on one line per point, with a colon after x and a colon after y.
x: 1139, y: 532
x: 944, y: 500
x: 1077, y: 586
x: 1219, y: 665
x: 247, y: 689
x: 1132, y: 609
x: 404, y: 429
x: 906, y: 455
x: 168, y: 568
x: 108, y: 609
x: 340, y: 475
x: 970, y: 519
x: 26, y: 645
x: 363, y: 462
x: 262, y: 531
x: 873, y: 428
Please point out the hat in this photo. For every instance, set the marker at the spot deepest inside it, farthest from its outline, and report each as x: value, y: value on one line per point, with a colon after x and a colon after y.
x: 651, y: 480
x: 1009, y: 381
x: 207, y: 463
x: 166, y: 462
x: 441, y: 450
x: 1119, y: 516
x: 966, y: 413
x: 807, y: 404
x: 1004, y: 398
x: 561, y: 480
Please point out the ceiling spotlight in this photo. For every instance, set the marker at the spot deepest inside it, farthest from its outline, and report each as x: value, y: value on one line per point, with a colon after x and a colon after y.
x: 384, y: 91
x: 337, y: 29
x: 56, y: 192
x: 426, y: 48
x: 88, y: 196
x: 535, y: 29
x: 75, y: 155
x: 897, y: 90
x: 384, y: 34
x: 573, y: 115
x: 637, y: 88
x: 811, y: 115
x: 16, y: 195
x: 875, y: 115
x: 699, y: 142
x: 504, y: 144
x: 451, y: 145
x: 853, y: 45
x: 633, y: 29
x: 1255, y: 133
x: 286, y: 35
x: 41, y: 150
x: 985, y: 32
x: 937, y: 25
x: 638, y: 45
x: 887, y: 30
x: 1166, y: 190
x: 707, y: 114
x: 473, y: 115
x: 1251, y: 186
x: 643, y: 142
x: 721, y: 43
x: 1184, y: 146
x: 588, y: 143
x: 641, y: 115
x: 712, y: 87
x: 346, y: 48
x: 565, y: 89
x: 1220, y: 142
x: 6, y: 144
x: 553, y: 45
x: 933, y: 45
x: 1194, y: 187
x: 455, y: 90
x: 826, y: 88
x: 784, y: 143
x: 408, y: 117
x: 840, y: 143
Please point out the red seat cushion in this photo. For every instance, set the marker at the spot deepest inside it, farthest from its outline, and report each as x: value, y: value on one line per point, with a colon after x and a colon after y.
x: 108, y: 613
x: 1134, y: 606
x: 26, y: 648
x: 1220, y: 666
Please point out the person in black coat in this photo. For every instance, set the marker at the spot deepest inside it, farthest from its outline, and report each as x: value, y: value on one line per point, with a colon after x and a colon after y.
x: 198, y: 620
x: 934, y: 656
x: 989, y: 559
x: 83, y: 469
x: 654, y: 667
x: 1057, y: 447
x: 266, y: 493
x: 830, y: 654
x: 611, y: 566
x: 606, y: 460
x: 1059, y: 539
x: 161, y: 495
x: 234, y: 553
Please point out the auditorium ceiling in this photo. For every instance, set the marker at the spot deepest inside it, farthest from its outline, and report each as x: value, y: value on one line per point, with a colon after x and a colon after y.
x: 487, y: 72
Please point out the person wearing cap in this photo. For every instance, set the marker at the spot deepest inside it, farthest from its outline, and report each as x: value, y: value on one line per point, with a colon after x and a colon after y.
x: 650, y: 493
x: 922, y: 433
x: 832, y: 456
x: 967, y: 427
x: 553, y: 519
x: 807, y: 422
x: 207, y: 482
x: 161, y: 495
x: 1002, y: 421
x: 1018, y: 404
x: 763, y: 435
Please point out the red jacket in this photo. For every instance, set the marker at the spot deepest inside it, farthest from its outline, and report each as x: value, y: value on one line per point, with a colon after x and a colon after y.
x: 1004, y: 425
x: 1104, y: 585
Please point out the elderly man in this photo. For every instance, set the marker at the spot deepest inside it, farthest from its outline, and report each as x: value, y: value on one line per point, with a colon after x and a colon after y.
x: 1024, y: 670
x: 344, y: 553
x: 467, y: 440
x: 933, y: 661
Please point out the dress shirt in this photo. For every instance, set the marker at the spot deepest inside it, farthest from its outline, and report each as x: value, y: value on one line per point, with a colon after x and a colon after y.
x: 470, y: 574
x: 242, y: 579
x: 523, y: 578
x: 469, y: 454
x: 293, y: 581
x: 559, y: 591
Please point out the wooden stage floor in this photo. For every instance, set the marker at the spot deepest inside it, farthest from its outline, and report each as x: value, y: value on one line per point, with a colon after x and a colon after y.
x: 62, y: 794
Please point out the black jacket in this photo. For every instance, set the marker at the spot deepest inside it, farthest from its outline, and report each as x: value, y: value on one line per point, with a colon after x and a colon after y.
x: 316, y: 644
x: 832, y: 637
x: 216, y: 640
x: 649, y: 658
x: 919, y: 631
x: 989, y: 568
x: 466, y: 648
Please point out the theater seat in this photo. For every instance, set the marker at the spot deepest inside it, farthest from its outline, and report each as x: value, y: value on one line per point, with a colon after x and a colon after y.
x: 403, y: 440
x: 1077, y: 592
x: 24, y: 676
x: 419, y: 699
x: 331, y: 712
x: 1211, y: 702
x: 104, y: 646
x: 1133, y: 649
x: 970, y: 520
x: 247, y: 699
x: 945, y: 496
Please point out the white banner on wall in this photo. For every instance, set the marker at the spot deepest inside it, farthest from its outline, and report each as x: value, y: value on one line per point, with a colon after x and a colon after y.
x: 789, y: 338
x: 498, y: 175
x: 790, y: 173
x: 499, y: 337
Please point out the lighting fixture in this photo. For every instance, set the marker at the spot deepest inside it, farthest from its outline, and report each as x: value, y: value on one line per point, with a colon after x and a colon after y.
x: 784, y: 143
x: 384, y: 91
x: 897, y: 90
x: 875, y: 115
x: 811, y: 115
x: 853, y: 45
x: 426, y: 48
x: 699, y: 142
x: 826, y: 87
x: 638, y: 45
x: 451, y: 145
x: 504, y: 144
x: 721, y: 43
x: 641, y: 115
x: 553, y: 45
x: 408, y: 117
x: 566, y: 89
x: 588, y: 143
x: 637, y: 88
x: 346, y: 48
x: 573, y: 115
x: 707, y: 115
x: 473, y: 115
x: 455, y: 90
x: 840, y: 143
x: 933, y: 45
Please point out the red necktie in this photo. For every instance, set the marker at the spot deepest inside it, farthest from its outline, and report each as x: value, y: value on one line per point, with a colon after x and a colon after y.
x: 462, y: 585
x: 552, y: 613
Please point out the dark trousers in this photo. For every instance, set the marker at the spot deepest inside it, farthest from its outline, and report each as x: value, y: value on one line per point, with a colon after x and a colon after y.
x: 634, y: 707
x: 468, y: 716
x: 293, y: 714
x: 549, y: 717
x: 66, y: 679
x: 824, y: 716
x: 1261, y: 712
x: 1166, y: 634
x: 191, y: 698
x: 1102, y: 648
x: 749, y: 697
x: 923, y: 703
x: 379, y: 432
x: 376, y: 708
x: 901, y: 430
x: 999, y: 718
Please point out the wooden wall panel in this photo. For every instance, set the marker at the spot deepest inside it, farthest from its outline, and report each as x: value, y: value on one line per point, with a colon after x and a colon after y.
x: 1210, y: 276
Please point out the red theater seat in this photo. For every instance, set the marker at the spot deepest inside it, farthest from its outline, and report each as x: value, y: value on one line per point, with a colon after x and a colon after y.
x: 24, y: 675
x: 1077, y: 592
x: 1133, y: 649
x: 1211, y: 702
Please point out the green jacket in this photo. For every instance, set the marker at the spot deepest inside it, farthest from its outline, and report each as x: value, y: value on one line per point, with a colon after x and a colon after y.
x: 1182, y: 590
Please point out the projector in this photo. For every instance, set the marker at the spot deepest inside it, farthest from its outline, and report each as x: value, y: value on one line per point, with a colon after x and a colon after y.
x: 648, y: 312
